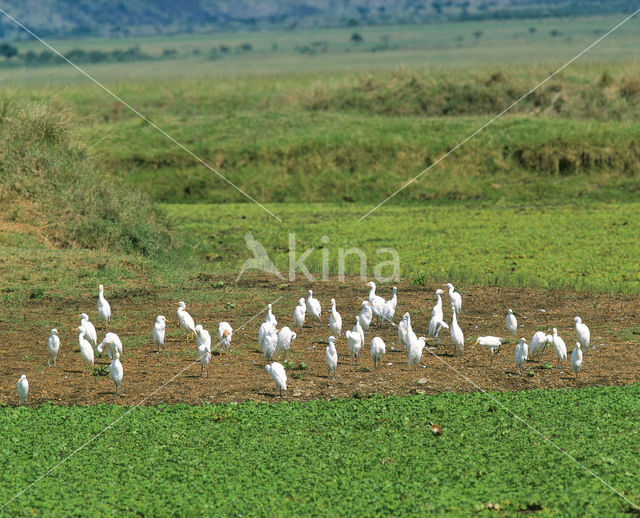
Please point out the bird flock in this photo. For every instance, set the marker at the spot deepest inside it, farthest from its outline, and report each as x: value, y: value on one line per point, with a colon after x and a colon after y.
x: 375, y: 312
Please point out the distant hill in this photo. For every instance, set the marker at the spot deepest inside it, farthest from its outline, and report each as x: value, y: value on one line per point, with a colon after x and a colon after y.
x: 73, y: 19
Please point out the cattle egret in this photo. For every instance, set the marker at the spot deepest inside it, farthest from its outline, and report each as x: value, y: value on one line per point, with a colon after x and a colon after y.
x: 538, y: 343
x: 355, y: 341
x: 86, y: 351
x: 225, y: 333
x: 402, y: 330
x: 89, y: 329
x: 559, y: 346
x: 53, y: 346
x: 410, y: 335
x: 389, y: 310
x: 331, y: 357
x: 576, y: 359
x: 158, y: 331
x: 202, y: 337
x: 584, y: 335
x: 377, y: 350
x: 511, y: 322
x: 376, y: 301
x: 455, y: 299
x: 23, y: 389
x: 520, y: 354
x: 185, y: 320
x: 104, y: 309
x: 269, y: 343
x: 278, y: 374
x: 366, y: 315
x: 457, y: 337
x: 299, y: 314
x: 285, y: 336
x: 265, y: 327
x: 115, y: 371
x: 335, y: 320
x: 270, y: 316
x: 415, y: 351
x: 437, y: 309
x: 204, y: 355
x: 492, y: 342
x: 313, y: 306
x: 357, y: 328
x: 113, y: 344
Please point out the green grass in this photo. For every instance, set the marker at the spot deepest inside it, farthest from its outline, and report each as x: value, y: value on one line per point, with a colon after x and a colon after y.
x: 590, y: 247
x: 365, y: 457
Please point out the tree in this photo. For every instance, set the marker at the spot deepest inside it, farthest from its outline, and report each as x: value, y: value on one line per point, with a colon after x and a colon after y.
x: 8, y: 51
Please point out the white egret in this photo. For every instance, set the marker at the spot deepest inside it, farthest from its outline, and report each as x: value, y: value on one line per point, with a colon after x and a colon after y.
x: 113, y: 344
x: 285, y: 337
x: 204, y: 356
x: 355, y: 341
x: 159, y: 331
x: 366, y: 315
x: 410, y: 335
x: 520, y: 354
x: 53, y: 347
x: 299, y: 314
x: 538, y: 343
x: 270, y: 343
x: 86, y: 351
x: 116, y: 372
x: 23, y: 389
x: 376, y: 301
x: 511, y: 322
x: 225, y: 333
x: 415, y: 351
x: 278, y: 374
x: 389, y: 310
x: 335, y: 320
x: 186, y: 321
x: 265, y: 327
x: 559, y: 346
x: 331, y: 356
x: 455, y: 299
x: 270, y: 316
x: 313, y: 306
x: 437, y: 309
x: 202, y: 337
x: 89, y: 329
x: 576, y: 359
x: 436, y: 324
x: 104, y: 308
x: 492, y: 342
x: 457, y: 337
x: 402, y: 330
x: 357, y: 328
x: 584, y: 335
x: 377, y: 350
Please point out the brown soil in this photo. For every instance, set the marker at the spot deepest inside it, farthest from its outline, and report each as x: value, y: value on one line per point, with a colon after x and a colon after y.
x: 172, y: 377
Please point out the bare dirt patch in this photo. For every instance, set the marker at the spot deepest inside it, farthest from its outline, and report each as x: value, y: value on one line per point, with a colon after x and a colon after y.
x: 241, y: 376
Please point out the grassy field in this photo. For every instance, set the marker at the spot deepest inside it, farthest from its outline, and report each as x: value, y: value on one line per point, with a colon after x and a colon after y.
x: 365, y: 457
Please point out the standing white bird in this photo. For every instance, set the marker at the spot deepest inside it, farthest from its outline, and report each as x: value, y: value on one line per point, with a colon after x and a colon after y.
x: 366, y: 315
x: 520, y: 354
x: 457, y: 337
x: 53, y: 346
x: 23, y: 389
x: 538, y: 343
x: 335, y: 320
x: 285, y: 337
x: 104, y: 308
x: 455, y: 299
x: 270, y: 316
x: 265, y: 327
x: 436, y: 324
x: 313, y: 306
x: 270, y: 343
x: 113, y: 344
x: 86, y: 351
x: 331, y: 357
x: 377, y: 350
x: 202, y: 337
x: 584, y: 335
x: 492, y: 342
x: 204, y: 355
x: 559, y: 346
x: 576, y: 359
x: 376, y: 301
x: 410, y: 335
x: 299, y: 314
x: 225, y: 333
x: 402, y: 330
x: 415, y: 351
x: 389, y: 310
x: 159, y: 331
x: 89, y: 329
x: 511, y: 322
x: 355, y: 341
x: 116, y: 372
x: 186, y: 321
x: 278, y: 374
x: 437, y: 309
x: 357, y: 328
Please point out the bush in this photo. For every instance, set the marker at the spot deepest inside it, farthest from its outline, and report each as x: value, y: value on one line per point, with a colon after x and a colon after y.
x: 63, y: 190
